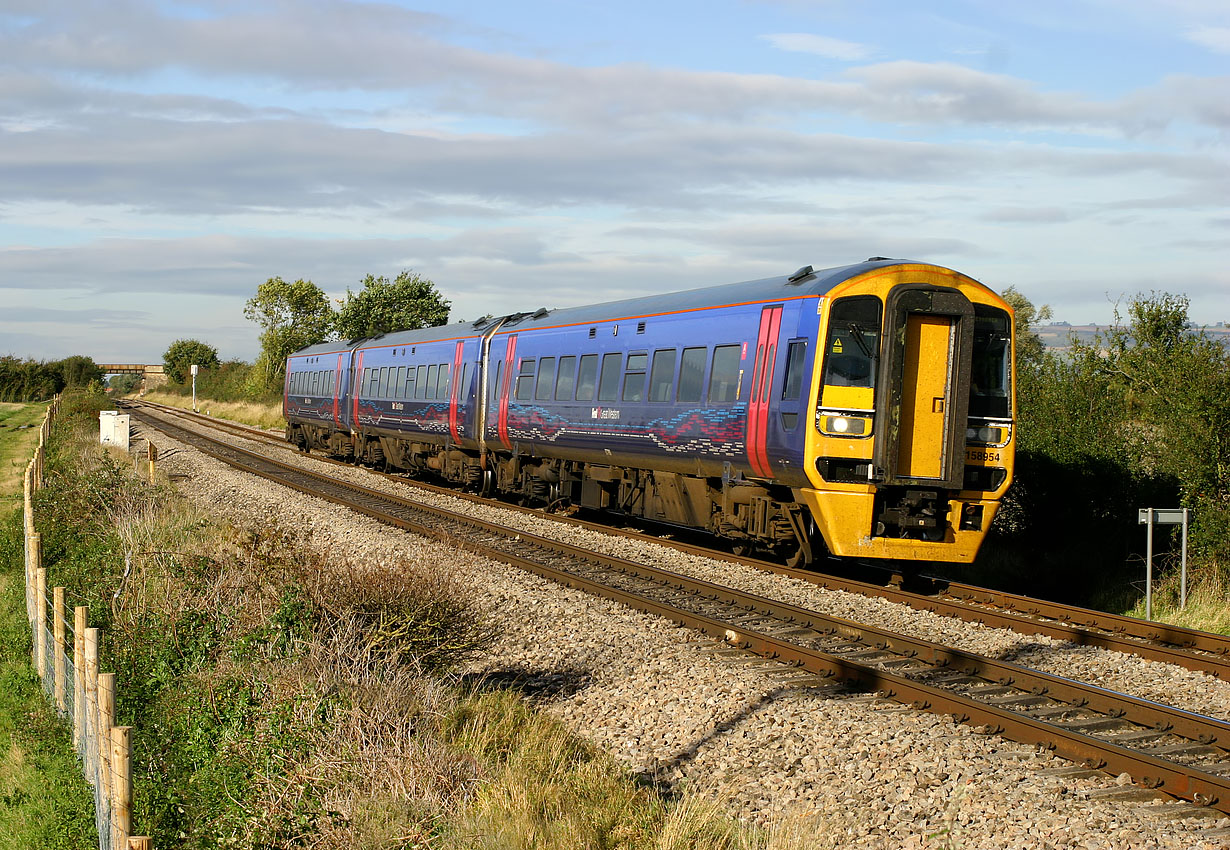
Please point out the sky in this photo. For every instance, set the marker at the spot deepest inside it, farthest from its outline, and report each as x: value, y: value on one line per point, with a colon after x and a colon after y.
x: 159, y: 160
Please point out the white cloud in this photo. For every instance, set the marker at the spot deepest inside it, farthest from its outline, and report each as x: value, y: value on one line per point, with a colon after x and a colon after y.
x: 1216, y: 39
x: 821, y: 45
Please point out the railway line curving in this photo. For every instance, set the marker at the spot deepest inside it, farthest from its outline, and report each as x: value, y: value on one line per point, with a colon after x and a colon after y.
x: 1180, y: 753
x: 1194, y: 650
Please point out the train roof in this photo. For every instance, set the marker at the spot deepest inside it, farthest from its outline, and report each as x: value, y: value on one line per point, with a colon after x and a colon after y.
x: 801, y: 284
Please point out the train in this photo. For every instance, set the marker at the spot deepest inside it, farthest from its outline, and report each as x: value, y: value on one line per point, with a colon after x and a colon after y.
x: 863, y: 411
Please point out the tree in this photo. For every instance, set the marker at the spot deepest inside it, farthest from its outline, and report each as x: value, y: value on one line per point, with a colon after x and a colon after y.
x: 182, y: 354
x: 407, y: 302
x: 1029, y: 346
x: 291, y: 316
x: 124, y: 383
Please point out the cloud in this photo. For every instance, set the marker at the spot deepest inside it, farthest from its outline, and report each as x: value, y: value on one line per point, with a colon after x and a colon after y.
x: 830, y: 48
x: 1216, y: 39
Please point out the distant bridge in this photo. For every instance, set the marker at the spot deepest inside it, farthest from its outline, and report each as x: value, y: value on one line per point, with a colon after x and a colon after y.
x: 132, y: 369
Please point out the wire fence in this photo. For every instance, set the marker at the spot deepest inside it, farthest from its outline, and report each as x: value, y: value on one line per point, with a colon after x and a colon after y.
x: 65, y: 656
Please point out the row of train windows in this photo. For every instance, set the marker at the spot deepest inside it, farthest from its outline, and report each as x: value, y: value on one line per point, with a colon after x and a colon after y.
x: 416, y: 382
x: 571, y: 378
x: 318, y: 383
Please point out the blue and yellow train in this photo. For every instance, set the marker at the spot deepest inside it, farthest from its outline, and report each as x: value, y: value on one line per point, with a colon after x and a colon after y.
x: 863, y: 411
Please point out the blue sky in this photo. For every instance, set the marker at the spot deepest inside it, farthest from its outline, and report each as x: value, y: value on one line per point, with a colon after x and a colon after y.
x: 159, y: 160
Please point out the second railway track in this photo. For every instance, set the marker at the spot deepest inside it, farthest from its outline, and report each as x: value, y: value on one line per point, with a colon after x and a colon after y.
x: 1180, y: 753
x: 1189, y: 648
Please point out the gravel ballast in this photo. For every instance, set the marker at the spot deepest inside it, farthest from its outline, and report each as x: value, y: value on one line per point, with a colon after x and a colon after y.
x: 676, y: 707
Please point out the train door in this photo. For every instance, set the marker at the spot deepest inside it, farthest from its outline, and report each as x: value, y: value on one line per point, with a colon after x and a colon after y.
x: 762, y: 386
x: 923, y: 394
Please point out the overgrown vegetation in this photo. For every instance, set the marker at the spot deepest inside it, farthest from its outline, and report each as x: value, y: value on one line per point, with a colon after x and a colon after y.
x: 38, y: 380
x: 1140, y: 417
x: 283, y: 698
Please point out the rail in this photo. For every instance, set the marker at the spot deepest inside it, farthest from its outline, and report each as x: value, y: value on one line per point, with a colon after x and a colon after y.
x: 1189, y: 648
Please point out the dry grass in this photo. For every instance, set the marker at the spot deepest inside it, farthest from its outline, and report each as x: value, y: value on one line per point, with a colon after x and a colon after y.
x: 1208, y: 600
x: 246, y: 412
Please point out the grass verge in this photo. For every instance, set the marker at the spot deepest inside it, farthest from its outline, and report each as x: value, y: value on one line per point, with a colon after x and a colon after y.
x: 44, y: 801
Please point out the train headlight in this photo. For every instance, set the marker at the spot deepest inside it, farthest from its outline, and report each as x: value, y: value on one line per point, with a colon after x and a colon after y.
x: 852, y: 426
x: 989, y: 436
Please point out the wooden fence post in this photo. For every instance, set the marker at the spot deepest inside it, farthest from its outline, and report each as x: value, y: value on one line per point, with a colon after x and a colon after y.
x: 140, y: 842
x: 90, y: 756
x: 121, y: 811
x: 79, y: 619
x: 34, y: 549
x: 106, y: 717
x: 40, y: 628
x: 58, y: 633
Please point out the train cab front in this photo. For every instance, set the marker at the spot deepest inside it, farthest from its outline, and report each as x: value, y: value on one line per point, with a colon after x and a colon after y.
x: 911, y: 445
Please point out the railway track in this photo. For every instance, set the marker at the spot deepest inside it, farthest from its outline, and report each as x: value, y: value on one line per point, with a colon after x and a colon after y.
x: 1189, y: 648
x: 1179, y: 753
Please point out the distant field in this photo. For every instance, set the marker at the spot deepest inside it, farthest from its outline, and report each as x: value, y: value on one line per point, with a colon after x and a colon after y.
x: 17, y: 445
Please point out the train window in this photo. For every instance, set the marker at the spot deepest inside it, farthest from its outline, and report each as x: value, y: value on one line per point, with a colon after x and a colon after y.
x: 383, y: 392
x: 546, y: 379
x: 587, y: 377
x: 442, y: 382
x: 332, y: 387
x: 467, y: 372
x: 724, y: 379
x: 432, y: 371
x: 796, y: 353
x: 662, y: 376
x: 420, y: 382
x: 408, y: 388
x: 991, y: 372
x: 315, y: 383
x: 495, y: 385
x: 692, y: 374
x: 608, y: 382
x: 399, y: 383
x: 853, y: 344
x: 564, y: 378
x: 525, y: 380
x: 634, y: 378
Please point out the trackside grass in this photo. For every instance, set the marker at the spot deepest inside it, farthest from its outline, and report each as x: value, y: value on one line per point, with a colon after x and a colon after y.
x: 281, y: 698
x: 44, y: 802
x: 256, y: 414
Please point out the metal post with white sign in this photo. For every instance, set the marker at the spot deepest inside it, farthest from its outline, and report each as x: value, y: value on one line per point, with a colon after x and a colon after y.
x: 195, y: 368
x: 1163, y: 516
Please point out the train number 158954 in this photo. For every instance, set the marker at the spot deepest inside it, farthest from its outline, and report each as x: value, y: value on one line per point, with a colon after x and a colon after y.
x: 982, y: 455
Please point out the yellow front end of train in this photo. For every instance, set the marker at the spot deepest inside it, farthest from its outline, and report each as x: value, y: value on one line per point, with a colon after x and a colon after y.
x: 912, y: 411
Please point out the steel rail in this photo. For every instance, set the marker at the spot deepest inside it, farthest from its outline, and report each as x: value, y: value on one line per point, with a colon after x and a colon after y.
x: 998, y: 609
x: 1178, y: 780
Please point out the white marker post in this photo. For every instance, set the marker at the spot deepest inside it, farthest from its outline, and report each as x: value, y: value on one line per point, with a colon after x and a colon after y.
x: 195, y: 369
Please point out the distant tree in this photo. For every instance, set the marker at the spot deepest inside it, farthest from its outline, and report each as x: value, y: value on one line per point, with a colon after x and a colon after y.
x: 291, y: 316
x: 1029, y: 346
x: 125, y: 383
x: 182, y: 354
x: 405, y: 303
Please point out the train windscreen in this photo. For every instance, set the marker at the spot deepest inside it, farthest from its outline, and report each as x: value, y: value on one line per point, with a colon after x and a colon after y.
x: 990, y: 389
x: 853, y: 344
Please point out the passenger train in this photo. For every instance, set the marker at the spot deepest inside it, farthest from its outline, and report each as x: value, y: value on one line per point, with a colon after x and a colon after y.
x: 862, y: 411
